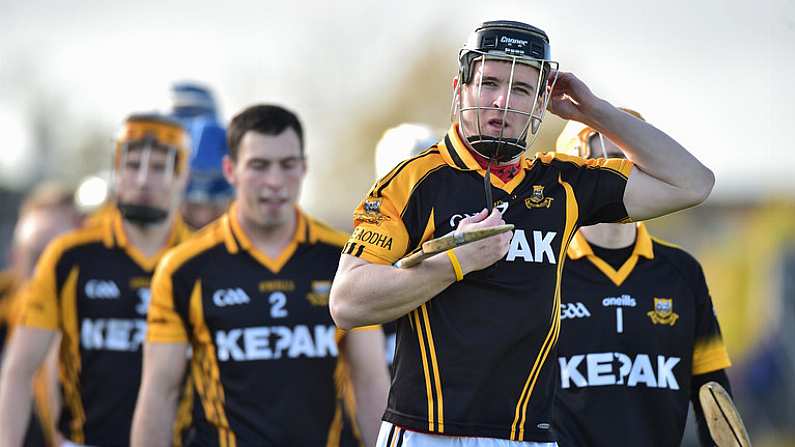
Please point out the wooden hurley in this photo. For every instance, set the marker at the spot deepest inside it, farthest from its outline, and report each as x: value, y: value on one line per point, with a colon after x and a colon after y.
x: 448, y: 241
x: 724, y: 422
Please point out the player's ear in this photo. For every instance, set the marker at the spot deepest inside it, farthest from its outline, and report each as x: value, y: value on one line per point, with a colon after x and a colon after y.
x: 228, y: 166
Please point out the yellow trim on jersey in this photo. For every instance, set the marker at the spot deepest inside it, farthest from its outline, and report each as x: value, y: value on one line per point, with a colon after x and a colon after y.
x: 274, y: 265
x: 435, y: 364
x: 184, y: 418
x: 666, y: 243
x: 580, y: 248
x: 462, y: 151
x: 335, y: 429
x: 40, y: 309
x: 70, y: 358
x: 164, y: 324
x: 710, y: 355
x: 206, y: 374
x: 179, y: 232
x: 620, y: 166
x: 428, y: 390
x: 572, y: 213
x: 430, y: 228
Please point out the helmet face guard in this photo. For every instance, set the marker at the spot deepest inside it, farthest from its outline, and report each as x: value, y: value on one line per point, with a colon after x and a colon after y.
x: 505, y: 42
x: 150, y: 150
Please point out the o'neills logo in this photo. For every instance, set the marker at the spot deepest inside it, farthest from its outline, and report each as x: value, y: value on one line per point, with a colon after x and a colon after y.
x: 373, y: 238
x: 512, y: 41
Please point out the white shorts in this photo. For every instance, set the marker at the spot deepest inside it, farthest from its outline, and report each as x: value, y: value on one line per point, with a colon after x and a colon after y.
x: 391, y: 435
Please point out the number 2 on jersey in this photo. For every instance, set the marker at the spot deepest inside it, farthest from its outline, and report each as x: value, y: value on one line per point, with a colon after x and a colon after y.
x: 278, y: 301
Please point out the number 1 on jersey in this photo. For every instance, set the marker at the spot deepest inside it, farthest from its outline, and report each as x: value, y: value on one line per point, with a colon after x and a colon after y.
x: 619, y: 320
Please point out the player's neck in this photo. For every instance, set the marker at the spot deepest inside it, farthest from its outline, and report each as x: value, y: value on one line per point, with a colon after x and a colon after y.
x: 610, y: 235
x: 271, y: 240
x: 149, y: 239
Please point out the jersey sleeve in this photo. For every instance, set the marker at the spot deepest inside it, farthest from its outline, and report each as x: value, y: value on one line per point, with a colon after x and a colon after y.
x: 599, y: 186
x: 39, y: 306
x: 709, y: 352
x: 165, y: 323
x: 379, y: 234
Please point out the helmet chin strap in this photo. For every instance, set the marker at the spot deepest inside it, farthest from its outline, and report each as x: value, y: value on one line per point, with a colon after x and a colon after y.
x: 142, y: 215
x: 499, y: 151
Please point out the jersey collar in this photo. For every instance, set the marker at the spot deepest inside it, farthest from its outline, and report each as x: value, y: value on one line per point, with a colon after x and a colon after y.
x: 456, y: 154
x: 114, y: 235
x: 579, y: 248
x: 236, y: 239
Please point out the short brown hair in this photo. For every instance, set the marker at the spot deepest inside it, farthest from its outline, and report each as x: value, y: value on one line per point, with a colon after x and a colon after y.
x: 265, y: 119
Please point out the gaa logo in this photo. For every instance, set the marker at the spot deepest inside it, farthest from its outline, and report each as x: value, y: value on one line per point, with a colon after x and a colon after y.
x: 230, y: 297
x: 573, y: 310
x: 102, y: 289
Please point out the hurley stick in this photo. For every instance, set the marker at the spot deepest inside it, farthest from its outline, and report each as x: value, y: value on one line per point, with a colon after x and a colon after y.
x: 724, y: 422
x: 448, y: 241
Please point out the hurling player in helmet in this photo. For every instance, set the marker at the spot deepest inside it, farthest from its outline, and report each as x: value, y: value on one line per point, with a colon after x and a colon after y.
x: 639, y: 335
x: 91, y: 285
x: 478, y: 325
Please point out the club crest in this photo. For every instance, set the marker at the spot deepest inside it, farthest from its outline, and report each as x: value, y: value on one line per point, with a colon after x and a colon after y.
x: 319, y: 293
x: 372, y: 212
x: 663, y: 312
x: 537, y: 199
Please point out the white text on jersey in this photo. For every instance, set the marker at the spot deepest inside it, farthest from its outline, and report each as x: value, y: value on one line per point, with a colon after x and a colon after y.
x: 254, y: 343
x: 573, y: 310
x: 230, y: 297
x: 102, y: 289
x: 112, y: 334
x: 540, y: 249
x: 600, y: 370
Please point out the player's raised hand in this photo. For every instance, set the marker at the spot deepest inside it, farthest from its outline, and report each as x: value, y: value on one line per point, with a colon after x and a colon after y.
x: 483, y: 253
x: 571, y: 99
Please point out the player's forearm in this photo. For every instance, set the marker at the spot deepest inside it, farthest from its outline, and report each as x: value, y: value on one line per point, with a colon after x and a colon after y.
x: 371, y: 388
x: 653, y: 151
x: 154, y: 416
x: 371, y: 403
x: 370, y: 293
x: 16, y: 395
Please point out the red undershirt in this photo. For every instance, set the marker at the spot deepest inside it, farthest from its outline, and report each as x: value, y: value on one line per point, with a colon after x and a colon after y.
x: 503, y: 172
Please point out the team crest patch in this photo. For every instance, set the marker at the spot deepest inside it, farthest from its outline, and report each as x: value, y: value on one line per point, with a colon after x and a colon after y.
x: 663, y: 312
x: 372, y: 212
x: 537, y: 199
x: 319, y: 293
x: 372, y: 206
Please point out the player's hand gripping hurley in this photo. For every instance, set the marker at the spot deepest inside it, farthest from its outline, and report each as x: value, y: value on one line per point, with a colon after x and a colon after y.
x: 453, y: 239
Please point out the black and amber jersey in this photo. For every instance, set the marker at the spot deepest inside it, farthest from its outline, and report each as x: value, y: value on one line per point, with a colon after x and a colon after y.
x: 631, y: 339
x: 92, y: 284
x: 478, y: 359
x: 264, y: 347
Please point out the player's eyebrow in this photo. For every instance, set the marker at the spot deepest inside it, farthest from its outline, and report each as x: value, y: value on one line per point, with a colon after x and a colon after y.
x: 492, y: 78
x: 253, y: 160
x: 529, y: 87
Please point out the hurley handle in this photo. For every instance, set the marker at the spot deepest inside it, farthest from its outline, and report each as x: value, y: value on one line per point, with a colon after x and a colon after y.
x: 448, y: 241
